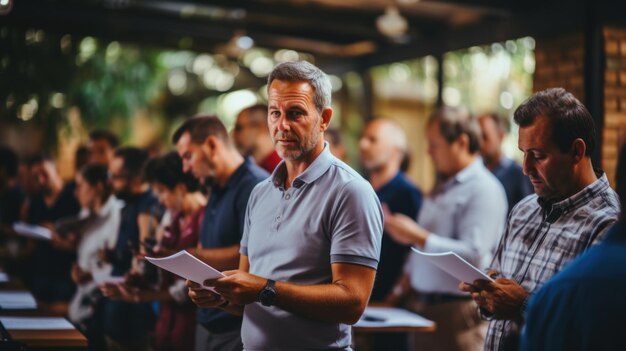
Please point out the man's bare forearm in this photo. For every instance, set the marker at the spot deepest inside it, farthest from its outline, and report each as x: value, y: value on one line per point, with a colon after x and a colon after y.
x: 220, y: 258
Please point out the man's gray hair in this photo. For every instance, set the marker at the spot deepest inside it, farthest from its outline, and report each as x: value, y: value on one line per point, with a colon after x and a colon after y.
x: 305, y: 71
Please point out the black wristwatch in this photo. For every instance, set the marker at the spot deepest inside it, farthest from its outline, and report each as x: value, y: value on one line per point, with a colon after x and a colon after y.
x: 267, y: 296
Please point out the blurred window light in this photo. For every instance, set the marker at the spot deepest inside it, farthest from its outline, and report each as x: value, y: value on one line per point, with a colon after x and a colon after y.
x: 245, y: 42
x: 451, y: 96
x: 335, y: 83
x: 202, y: 63
x: 399, y: 72
x: 177, y: 82
x: 506, y: 100
x: 261, y: 66
x: 57, y: 100
x: 28, y: 110
x: 284, y: 55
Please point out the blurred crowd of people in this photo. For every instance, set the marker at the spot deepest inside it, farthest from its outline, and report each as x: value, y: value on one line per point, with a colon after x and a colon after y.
x: 525, y: 224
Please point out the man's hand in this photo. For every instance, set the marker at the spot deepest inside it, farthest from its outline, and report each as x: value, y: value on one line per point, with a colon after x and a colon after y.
x: 503, y: 298
x: 111, y: 291
x: 238, y: 287
x: 202, y: 297
x: 403, y: 229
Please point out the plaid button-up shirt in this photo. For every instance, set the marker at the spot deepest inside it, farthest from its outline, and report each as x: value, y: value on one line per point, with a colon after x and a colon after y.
x: 541, y: 238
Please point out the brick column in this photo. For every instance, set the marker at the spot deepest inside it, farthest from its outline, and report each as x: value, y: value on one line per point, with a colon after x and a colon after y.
x: 560, y: 63
x: 614, y: 133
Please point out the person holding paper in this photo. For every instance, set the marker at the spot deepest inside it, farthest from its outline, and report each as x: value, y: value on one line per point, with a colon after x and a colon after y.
x: 382, y: 147
x: 47, y: 272
x: 464, y: 213
x: 104, y: 211
x: 572, y: 208
x: 126, y: 325
x: 207, y: 152
x: 583, y: 306
x: 312, y: 233
x: 179, y: 193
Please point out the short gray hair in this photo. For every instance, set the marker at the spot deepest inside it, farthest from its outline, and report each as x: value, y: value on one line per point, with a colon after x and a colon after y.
x: 305, y: 71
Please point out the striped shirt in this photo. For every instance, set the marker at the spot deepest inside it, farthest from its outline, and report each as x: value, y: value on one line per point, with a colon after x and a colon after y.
x: 541, y: 238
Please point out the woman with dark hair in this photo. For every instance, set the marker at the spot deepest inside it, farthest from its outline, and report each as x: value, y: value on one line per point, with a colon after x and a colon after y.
x: 102, y: 212
x: 179, y: 193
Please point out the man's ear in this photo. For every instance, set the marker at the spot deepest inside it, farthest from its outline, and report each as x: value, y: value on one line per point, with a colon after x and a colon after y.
x: 578, y: 150
x: 463, y: 141
x: 326, y: 116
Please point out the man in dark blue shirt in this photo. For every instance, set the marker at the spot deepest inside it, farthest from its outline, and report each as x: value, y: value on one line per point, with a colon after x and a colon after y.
x: 516, y: 185
x: 383, y: 147
x: 48, y: 270
x: 207, y: 152
x: 583, y: 306
x: 127, y: 325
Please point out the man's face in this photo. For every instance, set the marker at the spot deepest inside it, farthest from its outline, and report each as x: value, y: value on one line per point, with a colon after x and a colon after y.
x: 85, y: 193
x: 492, y: 138
x: 43, y: 174
x: 194, y: 158
x: 375, y: 146
x: 443, y: 154
x: 100, y: 152
x: 295, y: 125
x: 120, y: 181
x: 172, y: 199
x: 245, y: 133
x: 550, y: 170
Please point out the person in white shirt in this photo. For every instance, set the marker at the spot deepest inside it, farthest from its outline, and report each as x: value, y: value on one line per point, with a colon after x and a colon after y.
x: 464, y: 213
x: 102, y: 212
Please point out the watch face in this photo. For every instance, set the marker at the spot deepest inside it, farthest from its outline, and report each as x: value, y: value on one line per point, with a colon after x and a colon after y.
x: 267, y: 297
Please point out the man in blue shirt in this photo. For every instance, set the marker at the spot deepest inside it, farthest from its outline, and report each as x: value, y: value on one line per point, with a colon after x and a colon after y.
x: 311, y: 241
x: 126, y: 325
x: 207, y: 152
x: 583, y: 306
x: 382, y: 147
x: 516, y: 185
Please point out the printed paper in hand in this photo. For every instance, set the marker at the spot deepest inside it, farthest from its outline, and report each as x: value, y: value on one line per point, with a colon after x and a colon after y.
x: 36, y: 323
x: 187, y: 266
x: 454, y: 265
x: 387, y: 317
x: 32, y: 231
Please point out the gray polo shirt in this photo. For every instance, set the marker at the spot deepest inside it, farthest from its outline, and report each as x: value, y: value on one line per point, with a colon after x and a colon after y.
x: 329, y: 215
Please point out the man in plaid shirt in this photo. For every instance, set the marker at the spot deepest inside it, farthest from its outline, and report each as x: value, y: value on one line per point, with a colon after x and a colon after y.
x: 572, y: 208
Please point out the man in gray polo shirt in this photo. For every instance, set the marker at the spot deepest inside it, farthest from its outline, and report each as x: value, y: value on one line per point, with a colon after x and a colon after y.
x: 312, y: 234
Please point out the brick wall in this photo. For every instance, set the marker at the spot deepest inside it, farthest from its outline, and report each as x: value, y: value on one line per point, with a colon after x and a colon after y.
x: 560, y: 63
x: 614, y: 133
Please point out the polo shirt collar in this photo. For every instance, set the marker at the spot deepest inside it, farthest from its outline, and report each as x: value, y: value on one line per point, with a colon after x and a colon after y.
x: 469, y: 171
x: 316, y: 169
x: 234, y: 178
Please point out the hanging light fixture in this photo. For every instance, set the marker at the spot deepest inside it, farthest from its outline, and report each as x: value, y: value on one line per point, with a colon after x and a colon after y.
x: 5, y: 6
x: 391, y: 23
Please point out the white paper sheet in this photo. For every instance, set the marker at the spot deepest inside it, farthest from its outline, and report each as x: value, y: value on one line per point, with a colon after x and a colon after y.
x: 454, y: 265
x: 103, y: 277
x: 32, y: 231
x: 36, y: 323
x: 17, y: 300
x: 187, y: 266
x: 4, y: 278
x: 381, y: 317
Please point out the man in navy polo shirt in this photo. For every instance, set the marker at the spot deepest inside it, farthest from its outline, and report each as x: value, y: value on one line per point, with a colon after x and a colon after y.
x: 312, y: 233
x: 207, y: 152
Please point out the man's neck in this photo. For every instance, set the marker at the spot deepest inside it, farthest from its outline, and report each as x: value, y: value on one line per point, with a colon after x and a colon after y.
x: 383, y: 175
x: 492, y: 162
x: 231, y: 161
x: 582, y: 178
x: 297, y: 167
